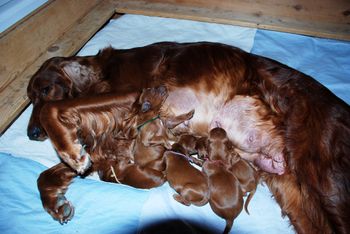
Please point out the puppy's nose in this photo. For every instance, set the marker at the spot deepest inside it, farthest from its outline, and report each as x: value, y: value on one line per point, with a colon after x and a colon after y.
x: 34, y: 133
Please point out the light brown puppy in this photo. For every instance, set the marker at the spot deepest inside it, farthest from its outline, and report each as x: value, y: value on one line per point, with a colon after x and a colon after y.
x: 226, y: 197
x: 189, y: 183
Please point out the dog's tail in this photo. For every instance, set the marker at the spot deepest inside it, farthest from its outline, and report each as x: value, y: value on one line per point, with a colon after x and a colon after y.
x: 228, y: 227
x: 251, y: 194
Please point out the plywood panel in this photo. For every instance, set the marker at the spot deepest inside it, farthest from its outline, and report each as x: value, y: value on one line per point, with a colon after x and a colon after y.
x: 13, y: 98
x: 22, y: 44
x: 323, y: 18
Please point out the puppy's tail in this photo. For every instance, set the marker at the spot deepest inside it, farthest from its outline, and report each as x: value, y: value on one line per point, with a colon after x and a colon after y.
x: 228, y: 227
x: 251, y: 194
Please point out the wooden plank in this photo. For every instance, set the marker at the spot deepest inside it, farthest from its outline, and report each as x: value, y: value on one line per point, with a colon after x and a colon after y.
x: 323, y: 18
x: 29, y: 38
x: 14, y: 98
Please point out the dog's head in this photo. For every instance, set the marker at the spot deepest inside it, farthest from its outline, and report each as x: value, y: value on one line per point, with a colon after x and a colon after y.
x: 58, y: 78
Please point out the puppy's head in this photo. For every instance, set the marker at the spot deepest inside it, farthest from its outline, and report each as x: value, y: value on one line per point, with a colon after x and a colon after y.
x: 218, y: 144
x: 217, y: 134
x: 152, y: 99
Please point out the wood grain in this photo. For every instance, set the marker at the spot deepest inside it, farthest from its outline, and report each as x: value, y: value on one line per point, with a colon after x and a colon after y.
x: 13, y: 98
x: 323, y: 18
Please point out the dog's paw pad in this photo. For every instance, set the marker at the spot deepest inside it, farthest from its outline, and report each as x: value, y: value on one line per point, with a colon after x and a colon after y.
x: 62, y: 210
x: 65, y: 212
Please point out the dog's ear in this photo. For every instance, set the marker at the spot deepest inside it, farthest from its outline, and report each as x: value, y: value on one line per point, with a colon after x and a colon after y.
x: 81, y: 76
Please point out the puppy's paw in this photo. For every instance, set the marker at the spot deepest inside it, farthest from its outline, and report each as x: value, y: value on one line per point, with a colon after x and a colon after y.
x: 180, y: 199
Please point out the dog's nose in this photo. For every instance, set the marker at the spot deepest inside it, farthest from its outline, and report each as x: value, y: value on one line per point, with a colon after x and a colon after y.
x: 34, y: 133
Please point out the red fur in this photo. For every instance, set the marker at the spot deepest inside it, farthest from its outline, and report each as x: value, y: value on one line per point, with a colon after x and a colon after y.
x: 315, y: 124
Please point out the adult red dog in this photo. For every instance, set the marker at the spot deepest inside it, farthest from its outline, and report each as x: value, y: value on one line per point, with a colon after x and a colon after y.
x: 310, y: 178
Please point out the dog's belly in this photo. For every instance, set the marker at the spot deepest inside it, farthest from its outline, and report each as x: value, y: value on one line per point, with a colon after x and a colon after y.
x: 242, y: 119
x: 245, y: 120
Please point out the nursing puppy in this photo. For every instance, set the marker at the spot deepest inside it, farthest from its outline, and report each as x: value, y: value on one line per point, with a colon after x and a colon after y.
x: 247, y: 176
x: 189, y: 183
x: 189, y: 143
x: 226, y: 197
x: 151, y: 138
x: 126, y: 172
x: 220, y: 148
x: 151, y: 127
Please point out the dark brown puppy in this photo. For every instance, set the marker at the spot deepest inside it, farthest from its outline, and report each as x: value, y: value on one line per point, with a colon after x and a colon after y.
x: 189, y: 143
x: 152, y: 133
x: 226, y: 197
x: 189, y: 183
x: 247, y: 176
x: 126, y: 172
x: 220, y: 148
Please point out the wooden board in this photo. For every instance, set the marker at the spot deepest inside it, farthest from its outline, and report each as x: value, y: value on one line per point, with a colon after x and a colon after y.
x: 13, y: 97
x: 322, y: 18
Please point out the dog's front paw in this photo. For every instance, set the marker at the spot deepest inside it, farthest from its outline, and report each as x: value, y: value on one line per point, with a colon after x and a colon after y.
x: 62, y: 211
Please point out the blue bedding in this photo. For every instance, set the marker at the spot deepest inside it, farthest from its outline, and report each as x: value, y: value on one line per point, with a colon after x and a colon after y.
x: 326, y: 60
x: 21, y: 210
x: 112, y: 208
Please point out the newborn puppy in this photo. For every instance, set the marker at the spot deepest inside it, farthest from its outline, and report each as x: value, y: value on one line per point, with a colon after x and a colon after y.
x: 247, y: 176
x: 202, y: 147
x: 189, y: 142
x: 126, y: 172
x: 226, y: 197
x: 189, y: 183
x: 220, y: 148
x: 153, y: 136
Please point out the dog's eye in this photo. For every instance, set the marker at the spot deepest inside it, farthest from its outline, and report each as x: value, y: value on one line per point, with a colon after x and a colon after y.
x: 45, y: 91
x: 145, y: 106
